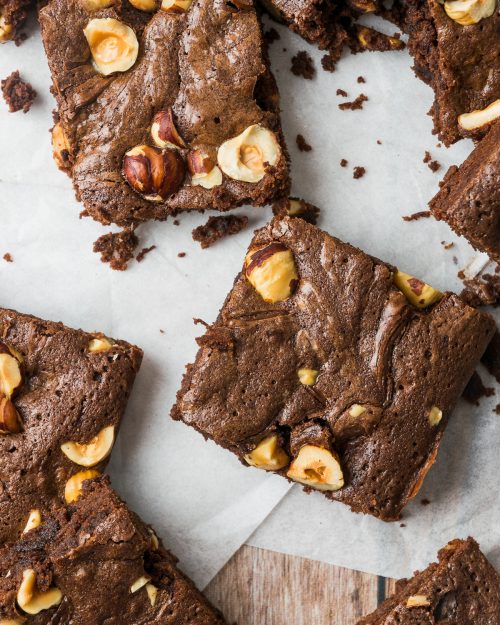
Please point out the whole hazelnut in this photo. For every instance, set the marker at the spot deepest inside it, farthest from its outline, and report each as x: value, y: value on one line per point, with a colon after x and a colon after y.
x: 272, y: 272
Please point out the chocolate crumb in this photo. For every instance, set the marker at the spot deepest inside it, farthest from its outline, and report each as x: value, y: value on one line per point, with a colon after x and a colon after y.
x: 181, y: 254
x: 358, y: 172
x: 162, y: 331
x: 342, y: 93
x: 379, y: 142
x: 296, y: 207
x: 344, y: 162
x: 18, y: 94
x: 425, y: 501
x: 271, y: 35
x: 328, y: 62
x: 302, y: 144
x: 432, y: 165
x: 8, y: 257
x: 402, y: 525
x: 455, y: 260
x: 447, y: 246
x: 497, y: 409
x: 218, y: 227
x: 117, y: 248
x: 355, y: 104
x: 176, y: 222
x: 361, y: 79
x: 145, y: 250
x: 416, y: 216
x: 302, y: 65
x: 475, y: 389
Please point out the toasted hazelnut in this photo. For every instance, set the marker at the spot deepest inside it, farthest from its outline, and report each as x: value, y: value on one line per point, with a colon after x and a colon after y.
x: 417, y: 601
x: 307, y: 376
x: 356, y: 410
x: 73, y: 488
x: 10, y: 372
x: 152, y: 592
x: 204, y: 172
x: 153, y: 173
x: 417, y: 292
x: 10, y: 421
x: 139, y: 583
x: 246, y: 156
x: 481, y: 117
x: 91, y: 453
x: 164, y: 132
x: 30, y: 600
x: 272, y: 272
x: 155, y: 543
x: 176, y: 6
x: 268, y: 455
x: 145, y: 5
x: 295, y: 207
x: 113, y: 45
x: 466, y: 12
x: 34, y: 521
x: 101, y: 344
x: 435, y: 415
x: 95, y: 5
x: 60, y: 147
x: 363, y: 6
x: 317, y: 467
x: 6, y: 30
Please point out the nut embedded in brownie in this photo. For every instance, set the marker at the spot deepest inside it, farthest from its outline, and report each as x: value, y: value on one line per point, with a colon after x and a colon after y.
x: 332, y: 368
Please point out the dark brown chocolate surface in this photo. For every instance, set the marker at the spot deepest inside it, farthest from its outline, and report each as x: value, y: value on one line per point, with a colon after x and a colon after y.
x: 94, y: 551
x: 68, y: 394
x: 347, y: 320
x: 462, y: 588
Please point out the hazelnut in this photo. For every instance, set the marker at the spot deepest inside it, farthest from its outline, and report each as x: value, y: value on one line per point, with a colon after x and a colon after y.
x: 272, y: 272
x: 153, y: 173
x: 356, y: 410
x: 363, y: 6
x: 73, y: 488
x: 60, y: 147
x: 295, y: 207
x: 466, y: 12
x: 34, y: 521
x: 100, y: 344
x: 164, y: 132
x: 91, y: 453
x: 10, y: 370
x: 317, y: 467
x: 30, y: 600
x: 246, y: 156
x: 145, y: 5
x: 113, y: 45
x: 95, y: 5
x: 268, y: 455
x: 155, y: 543
x: 481, y: 117
x: 176, y: 6
x: 417, y: 601
x: 152, y: 592
x: 307, y: 376
x: 10, y: 421
x: 417, y: 292
x: 139, y: 583
x: 204, y: 172
x: 435, y: 415
x: 371, y: 39
x: 6, y: 31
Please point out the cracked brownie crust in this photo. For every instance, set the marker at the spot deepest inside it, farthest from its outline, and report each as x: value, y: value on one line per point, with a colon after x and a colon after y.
x: 343, y: 362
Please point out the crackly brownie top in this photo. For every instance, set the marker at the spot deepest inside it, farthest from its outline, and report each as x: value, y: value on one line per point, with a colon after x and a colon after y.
x: 201, y: 74
x: 461, y: 589
x: 96, y: 562
x: 338, y: 358
x: 62, y: 395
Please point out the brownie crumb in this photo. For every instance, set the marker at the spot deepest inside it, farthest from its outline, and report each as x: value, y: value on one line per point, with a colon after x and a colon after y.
x: 402, y: 525
x: 117, y: 248
x: 447, y: 246
x: 302, y: 65
x: 361, y: 79
x: 296, y: 207
x: 379, y: 142
x: 342, y: 93
x: 455, y: 260
x: 18, y: 94
x: 358, y: 172
x: 271, y: 35
x: 145, y: 250
x: 162, y: 331
x: 475, y: 390
x: 425, y: 501
x: 432, y: 165
x: 491, y: 357
x: 328, y: 62
x: 181, y: 254
x: 176, y: 222
x: 416, y: 216
x: 482, y: 290
x: 344, y: 162
x: 218, y: 227
x: 302, y: 144
x: 8, y: 257
x: 497, y: 409
x: 355, y: 104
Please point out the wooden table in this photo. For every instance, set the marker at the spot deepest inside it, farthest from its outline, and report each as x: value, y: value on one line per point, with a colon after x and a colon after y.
x: 260, y: 587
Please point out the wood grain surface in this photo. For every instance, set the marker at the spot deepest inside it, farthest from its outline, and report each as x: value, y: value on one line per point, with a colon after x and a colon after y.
x: 259, y: 587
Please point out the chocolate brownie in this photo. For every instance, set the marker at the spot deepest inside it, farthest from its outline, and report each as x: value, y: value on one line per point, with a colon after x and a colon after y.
x: 165, y: 109
x: 332, y: 368
x: 95, y: 562
x: 469, y: 199
x: 62, y: 395
x: 462, y: 588
x: 456, y: 49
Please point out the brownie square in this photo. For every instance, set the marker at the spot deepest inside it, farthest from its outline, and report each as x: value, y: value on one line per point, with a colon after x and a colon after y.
x: 62, y: 395
x: 462, y: 588
x: 200, y: 87
x: 469, y: 199
x: 344, y: 379
x: 94, y: 562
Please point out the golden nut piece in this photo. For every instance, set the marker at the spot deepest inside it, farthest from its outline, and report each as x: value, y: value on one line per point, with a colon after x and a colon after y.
x: 164, y: 132
x: 139, y: 583
x: 307, y: 376
x: 204, y: 172
x: 60, y: 147
x: 73, y: 488
x: 34, y: 521
x: 91, y: 453
x: 272, y: 272
x: 246, y: 156
x: 145, y: 5
x: 6, y: 30
x: 113, y: 45
x: 11, y: 376
x: 466, y: 12
x: 268, y: 455
x: 152, y: 592
x: 435, y: 415
x: 30, y: 600
x: 101, y: 344
x: 95, y: 5
x: 417, y: 292
x: 481, y: 117
x: 10, y: 421
x: 176, y: 6
x: 356, y: 410
x: 153, y: 173
x: 417, y: 601
x: 317, y: 467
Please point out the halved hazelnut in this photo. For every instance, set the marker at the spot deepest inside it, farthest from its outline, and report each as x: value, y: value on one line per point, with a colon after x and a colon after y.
x: 91, y: 453
x: 101, y: 344
x: 139, y: 583
x: 10, y: 421
x: 307, y: 376
x: 481, y: 117
x: 152, y: 592
x: 34, y: 521
x: 145, y: 5
x: 204, y: 172
x: 317, y: 467
x: 153, y: 173
x: 11, y: 376
x: 6, y: 30
x: 95, y: 5
x: 60, y: 147
x: 73, y: 488
x: 176, y: 6
x: 466, y: 12
x: 417, y: 601
x: 32, y: 601
x: 113, y: 45
x: 268, y: 455
x: 417, y: 292
x: 435, y: 415
x: 164, y: 132
x: 272, y: 272
x: 246, y: 156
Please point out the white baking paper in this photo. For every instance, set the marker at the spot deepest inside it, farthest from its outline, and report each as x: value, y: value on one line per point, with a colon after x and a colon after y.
x: 198, y: 496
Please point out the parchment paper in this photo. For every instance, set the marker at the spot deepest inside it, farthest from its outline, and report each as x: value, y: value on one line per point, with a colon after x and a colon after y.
x: 200, y: 499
